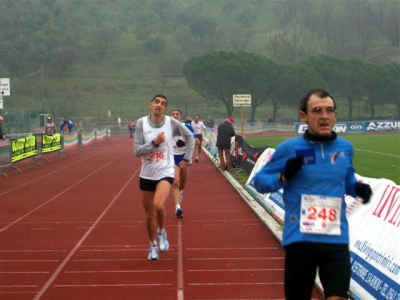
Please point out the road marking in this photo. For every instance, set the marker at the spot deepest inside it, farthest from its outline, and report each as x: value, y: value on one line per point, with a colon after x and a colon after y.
x: 180, y: 292
x: 118, y: 271
x: 112, y: 285
x: 235, y: 270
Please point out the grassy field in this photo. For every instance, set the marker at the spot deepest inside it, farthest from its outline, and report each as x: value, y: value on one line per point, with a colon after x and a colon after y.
x: 375, y: 155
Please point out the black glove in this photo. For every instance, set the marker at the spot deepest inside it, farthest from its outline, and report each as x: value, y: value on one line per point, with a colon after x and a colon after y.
x: 292, y: 166
x: 363, y: 191
x: 180, y: 143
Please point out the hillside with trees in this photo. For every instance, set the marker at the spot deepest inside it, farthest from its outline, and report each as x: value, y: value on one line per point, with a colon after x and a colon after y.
x: 85, y: 58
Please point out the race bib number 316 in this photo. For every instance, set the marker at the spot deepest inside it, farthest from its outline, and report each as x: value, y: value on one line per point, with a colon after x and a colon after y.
x: 320, y: 214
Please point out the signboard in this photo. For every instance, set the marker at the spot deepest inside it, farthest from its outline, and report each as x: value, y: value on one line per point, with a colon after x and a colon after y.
x: 4, y: 86
x: 1, y: 102
x: 241, y: 100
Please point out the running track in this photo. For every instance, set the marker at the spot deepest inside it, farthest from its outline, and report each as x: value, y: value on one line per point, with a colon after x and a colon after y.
x: 73, y: 229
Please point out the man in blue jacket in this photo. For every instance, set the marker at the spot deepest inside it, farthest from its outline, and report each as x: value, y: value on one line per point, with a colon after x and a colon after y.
x: 315, y: 172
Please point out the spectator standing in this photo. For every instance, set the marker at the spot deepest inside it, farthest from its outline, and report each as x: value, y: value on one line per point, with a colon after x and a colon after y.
x: 198, y: 127
x: 315, y: 172
x: 131, y: 127
x: 209, y: 123
x: 153, y: 142
x: 2, y: 135
x: 66, y: 125
x: 181, y: 146
x: 225, y: 132
x: 50, y: 126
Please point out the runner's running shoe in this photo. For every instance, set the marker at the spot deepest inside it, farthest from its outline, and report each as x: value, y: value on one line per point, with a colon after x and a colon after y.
x: 153, y: 254
x: 163, y: 244
x: 179, y: 213
x: 196, y: 159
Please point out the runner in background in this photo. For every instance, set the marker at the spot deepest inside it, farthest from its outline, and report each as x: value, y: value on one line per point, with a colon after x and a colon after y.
x: 199, y: 128
x: 315, y: 171
x: 153, y: 142
x: 180, y: 149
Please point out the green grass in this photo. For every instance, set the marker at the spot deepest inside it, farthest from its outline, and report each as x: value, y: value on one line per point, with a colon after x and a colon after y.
x: 375, y: 155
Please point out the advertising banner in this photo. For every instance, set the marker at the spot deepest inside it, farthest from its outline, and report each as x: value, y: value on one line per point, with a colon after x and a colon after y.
x: 374, y: 234
x: 23, y: 148
x: 245, y: 155
x: 51, y: 143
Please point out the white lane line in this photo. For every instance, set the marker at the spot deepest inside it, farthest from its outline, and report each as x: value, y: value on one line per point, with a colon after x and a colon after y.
x: 80, y: 242
x: 180, y: 281
x: 235, y: 270
x: 27, y: 250
x: 236, y: 258
x: 24, y: 272
x: 112, y: 285
x: 235, y: 283
x: 250, y: 248
x: 114, y: 259
x: 29, y: 260
x: 117, y: 271
x: 18, y: 286
x: 375, y: 152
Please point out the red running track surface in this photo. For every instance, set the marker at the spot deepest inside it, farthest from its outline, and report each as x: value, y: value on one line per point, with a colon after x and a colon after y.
x: 74, y: 229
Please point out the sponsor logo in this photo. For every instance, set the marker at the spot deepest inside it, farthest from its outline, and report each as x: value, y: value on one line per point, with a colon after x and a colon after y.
x: 356, y: 127
x: 375, y: 126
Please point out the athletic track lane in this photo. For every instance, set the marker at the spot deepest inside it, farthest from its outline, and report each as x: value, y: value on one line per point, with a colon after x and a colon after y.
x: 73, y: 229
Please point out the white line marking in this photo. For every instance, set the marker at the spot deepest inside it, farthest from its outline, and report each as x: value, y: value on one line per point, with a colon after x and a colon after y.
x: 250, y: 248
x: 180, y: 286
x: 115, y: 259
x: 118, y: 271
x: 236, y: 258
x: 80, y: 242
x: 29, y: 260
x: 17, y: 272
x: 236, y: 283
x: 376, y: 152
x: 19, y: 250
x: 236, y: 270
x: 18, y: 286
x: 111, y: 285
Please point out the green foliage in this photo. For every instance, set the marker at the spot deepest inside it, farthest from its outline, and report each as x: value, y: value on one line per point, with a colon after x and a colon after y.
x: 100, y: 49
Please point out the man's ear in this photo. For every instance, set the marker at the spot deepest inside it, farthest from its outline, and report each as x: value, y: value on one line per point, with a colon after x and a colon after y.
x: 303, y: 116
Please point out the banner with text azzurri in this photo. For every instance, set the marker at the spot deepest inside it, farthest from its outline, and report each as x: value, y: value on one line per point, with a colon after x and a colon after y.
x: 374, y: 234
x: 357, y: 127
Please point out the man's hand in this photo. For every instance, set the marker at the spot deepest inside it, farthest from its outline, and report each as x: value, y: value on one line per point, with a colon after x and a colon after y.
x: 292, y: 166
x: 180, y: 143
x: 363, y: 191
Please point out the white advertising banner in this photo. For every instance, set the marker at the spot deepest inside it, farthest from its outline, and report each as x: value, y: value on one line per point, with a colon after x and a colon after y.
x: 374, y: 234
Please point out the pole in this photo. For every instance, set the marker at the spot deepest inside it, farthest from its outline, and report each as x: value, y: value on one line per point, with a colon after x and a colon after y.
x: 242, y: 119
x: 42, y: 81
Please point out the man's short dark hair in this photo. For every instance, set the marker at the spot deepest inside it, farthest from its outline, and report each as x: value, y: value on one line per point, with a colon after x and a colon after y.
x: 159, y: 96
x: 321, y: 93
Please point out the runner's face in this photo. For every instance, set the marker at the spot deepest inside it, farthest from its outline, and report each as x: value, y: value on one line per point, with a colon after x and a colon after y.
x: 320, y: 116
x: 158, y: 106
x: 176, y: 115
x: 196, y: 119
